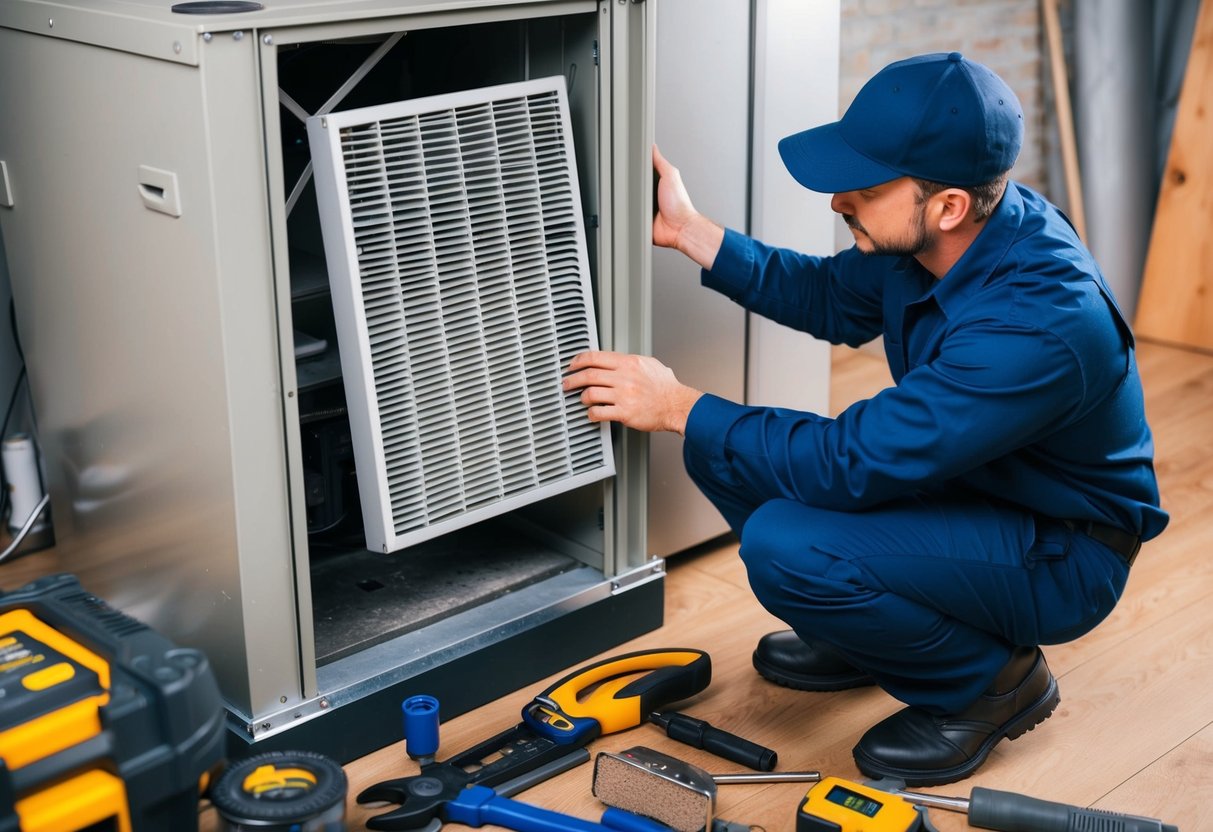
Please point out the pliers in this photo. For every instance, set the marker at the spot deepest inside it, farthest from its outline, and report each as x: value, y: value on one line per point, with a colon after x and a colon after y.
x: 478, y: 805
x: 423, y: 797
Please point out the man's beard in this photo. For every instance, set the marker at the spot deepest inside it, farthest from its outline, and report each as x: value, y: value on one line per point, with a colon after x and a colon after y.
x: 918, y: 242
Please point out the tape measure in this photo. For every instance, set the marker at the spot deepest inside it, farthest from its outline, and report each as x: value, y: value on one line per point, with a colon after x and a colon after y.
x: 837, y: 805
x: 281, y: 791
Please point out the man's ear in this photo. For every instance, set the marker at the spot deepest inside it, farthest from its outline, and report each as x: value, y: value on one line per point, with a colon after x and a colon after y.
x: 953, y: 205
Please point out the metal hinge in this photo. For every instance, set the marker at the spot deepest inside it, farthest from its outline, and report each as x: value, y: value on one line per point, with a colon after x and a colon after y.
x: 595, y: 53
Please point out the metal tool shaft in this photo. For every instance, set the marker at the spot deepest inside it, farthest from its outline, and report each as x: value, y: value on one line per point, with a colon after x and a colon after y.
x: 935, y: 801
x: 769, y: 777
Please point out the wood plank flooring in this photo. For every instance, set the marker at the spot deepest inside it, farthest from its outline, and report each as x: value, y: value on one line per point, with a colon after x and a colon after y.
x: 1133, y: 733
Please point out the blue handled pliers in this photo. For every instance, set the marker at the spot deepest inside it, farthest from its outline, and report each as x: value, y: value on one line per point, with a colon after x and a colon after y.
x: 480, y: 805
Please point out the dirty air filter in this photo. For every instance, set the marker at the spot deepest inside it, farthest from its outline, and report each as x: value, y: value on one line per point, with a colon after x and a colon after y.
x: 453, y: 232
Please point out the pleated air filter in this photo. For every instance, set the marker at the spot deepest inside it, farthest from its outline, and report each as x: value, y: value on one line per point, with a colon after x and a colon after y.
x: 453, y: 233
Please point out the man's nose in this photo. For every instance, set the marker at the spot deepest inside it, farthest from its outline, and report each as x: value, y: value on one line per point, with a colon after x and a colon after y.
x: 842, y: 203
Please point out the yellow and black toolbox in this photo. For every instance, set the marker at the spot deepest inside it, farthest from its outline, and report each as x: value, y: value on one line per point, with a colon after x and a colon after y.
x: 104, y: 723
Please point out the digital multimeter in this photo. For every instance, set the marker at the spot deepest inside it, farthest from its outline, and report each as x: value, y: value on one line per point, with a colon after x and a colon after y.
x: 837, y: 805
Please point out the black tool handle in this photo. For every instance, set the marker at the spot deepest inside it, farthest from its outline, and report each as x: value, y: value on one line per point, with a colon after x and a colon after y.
x: 699, y: 734
x: 1010, y: 812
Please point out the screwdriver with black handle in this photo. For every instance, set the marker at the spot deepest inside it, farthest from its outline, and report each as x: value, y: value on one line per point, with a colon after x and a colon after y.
x: 1010, y: 812
x: 699, y: 734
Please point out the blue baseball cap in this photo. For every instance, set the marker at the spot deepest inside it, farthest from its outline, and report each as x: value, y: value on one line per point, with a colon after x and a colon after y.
x: 938, y: 117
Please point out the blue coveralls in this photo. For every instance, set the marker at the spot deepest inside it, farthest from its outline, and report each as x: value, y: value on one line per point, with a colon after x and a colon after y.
x: 920, y: 532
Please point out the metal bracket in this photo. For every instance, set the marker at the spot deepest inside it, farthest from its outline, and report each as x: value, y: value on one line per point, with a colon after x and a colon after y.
x: 327, y: 107
x: 634, y: 577
x: 280, y: 720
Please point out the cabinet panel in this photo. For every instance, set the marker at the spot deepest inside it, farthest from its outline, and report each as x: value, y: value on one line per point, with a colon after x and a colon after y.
x: 703, y: 90
x: 733, y: 79
x: 142, y: 337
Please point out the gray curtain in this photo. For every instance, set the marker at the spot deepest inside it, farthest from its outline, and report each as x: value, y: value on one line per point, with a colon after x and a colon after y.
x: 1129, y: 58
x: 1174, y: 25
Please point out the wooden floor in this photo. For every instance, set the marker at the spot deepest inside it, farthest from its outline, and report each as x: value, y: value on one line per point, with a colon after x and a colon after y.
x: 1133, y: 733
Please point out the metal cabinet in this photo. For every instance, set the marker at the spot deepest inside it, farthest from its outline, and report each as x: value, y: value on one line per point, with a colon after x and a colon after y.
x: 163, y: 250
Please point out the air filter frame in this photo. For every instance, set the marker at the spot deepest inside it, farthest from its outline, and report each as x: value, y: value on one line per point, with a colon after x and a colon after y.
x: 461, y: 289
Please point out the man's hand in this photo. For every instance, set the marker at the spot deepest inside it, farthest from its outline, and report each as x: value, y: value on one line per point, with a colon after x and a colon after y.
x: 674, y: 208
x: 677, y: 224
x: 635, y: 390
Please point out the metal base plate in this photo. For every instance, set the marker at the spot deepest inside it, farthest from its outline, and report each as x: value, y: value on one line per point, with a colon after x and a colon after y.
x: 362, y: 598
x: 373, y: 720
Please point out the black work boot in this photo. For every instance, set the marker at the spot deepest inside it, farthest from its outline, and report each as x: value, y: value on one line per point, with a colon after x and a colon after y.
x: 787, y: 660
x: 925, y: 750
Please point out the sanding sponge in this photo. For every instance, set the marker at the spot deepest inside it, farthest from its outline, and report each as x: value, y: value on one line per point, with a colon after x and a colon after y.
x: 647, y: 782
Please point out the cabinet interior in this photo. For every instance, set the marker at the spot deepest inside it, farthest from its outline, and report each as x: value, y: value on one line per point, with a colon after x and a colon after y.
x: 361, y: 598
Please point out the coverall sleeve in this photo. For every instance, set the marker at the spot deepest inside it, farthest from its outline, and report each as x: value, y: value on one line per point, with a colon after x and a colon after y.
x: 804, y: 292
x: 993, y: 388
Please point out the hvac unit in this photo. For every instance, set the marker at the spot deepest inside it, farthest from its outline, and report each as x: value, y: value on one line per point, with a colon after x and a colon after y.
x: 299, y: 400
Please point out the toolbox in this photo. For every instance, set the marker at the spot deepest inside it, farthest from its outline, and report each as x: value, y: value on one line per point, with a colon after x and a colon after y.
x: 104, y: 723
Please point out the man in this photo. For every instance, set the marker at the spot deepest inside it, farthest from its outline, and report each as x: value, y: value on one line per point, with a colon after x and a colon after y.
x: 928, y: 539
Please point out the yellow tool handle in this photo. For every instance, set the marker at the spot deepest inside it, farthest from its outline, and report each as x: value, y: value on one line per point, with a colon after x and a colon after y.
x: 621, y: 692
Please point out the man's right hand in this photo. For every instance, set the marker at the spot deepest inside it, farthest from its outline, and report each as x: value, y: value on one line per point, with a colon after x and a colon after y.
x: 635, y: 390
x: 677, y: 224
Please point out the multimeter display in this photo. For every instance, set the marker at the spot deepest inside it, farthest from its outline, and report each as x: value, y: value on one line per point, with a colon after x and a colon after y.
x: 837, y: 805
x: 853, y: 801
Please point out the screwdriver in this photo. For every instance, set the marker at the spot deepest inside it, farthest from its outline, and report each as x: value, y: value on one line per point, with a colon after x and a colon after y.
x: 699, y: 734
x: 1010, y: 812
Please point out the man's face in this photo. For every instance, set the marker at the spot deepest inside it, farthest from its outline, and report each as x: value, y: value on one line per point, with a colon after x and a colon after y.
x: 887, y: 219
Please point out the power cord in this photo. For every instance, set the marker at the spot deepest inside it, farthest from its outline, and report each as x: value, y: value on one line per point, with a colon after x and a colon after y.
x: 24, y: 530
x: 5, y: 502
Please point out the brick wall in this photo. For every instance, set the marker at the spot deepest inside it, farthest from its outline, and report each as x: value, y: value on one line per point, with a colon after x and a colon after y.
x: 1005, y: 35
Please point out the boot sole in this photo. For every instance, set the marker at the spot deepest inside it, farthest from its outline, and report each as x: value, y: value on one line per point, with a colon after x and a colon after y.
x: 821, y: 684
x: 1041, y: 710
